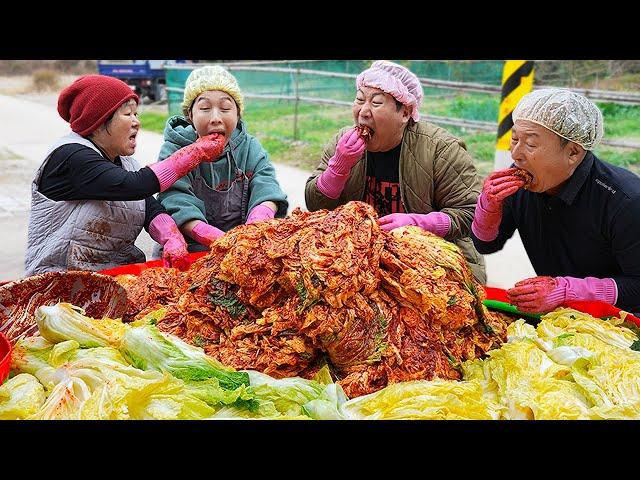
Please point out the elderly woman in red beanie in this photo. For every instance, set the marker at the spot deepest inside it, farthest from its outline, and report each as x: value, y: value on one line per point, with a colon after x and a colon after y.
x: 90, y: 199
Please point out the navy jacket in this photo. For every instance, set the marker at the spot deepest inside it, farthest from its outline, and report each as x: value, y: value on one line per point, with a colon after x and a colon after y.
x: 591, y: 228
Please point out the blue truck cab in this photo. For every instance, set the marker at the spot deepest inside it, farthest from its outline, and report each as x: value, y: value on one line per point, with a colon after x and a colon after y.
x: 145, y: 77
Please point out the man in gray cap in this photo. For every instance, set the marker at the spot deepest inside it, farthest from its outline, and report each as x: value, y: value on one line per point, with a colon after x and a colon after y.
x: 578, y: 217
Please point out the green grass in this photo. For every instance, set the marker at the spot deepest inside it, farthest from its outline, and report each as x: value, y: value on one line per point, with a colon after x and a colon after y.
x: 622, y: 157
x: 621, y: 121
x: 153, y: 121
x: 273, y: 125
x: 474, y: 106
x: 272, y: 122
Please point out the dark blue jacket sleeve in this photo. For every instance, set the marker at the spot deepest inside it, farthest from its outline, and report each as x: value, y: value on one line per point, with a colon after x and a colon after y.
x: 625, y: 243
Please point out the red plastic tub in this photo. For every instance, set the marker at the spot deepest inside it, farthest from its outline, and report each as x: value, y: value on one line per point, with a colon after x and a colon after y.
x: 5, y: 357
x: 594, y: 308
x: 138, y: 268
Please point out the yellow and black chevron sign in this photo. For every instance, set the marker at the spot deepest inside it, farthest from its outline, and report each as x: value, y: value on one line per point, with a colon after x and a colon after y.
x: 517, y: 81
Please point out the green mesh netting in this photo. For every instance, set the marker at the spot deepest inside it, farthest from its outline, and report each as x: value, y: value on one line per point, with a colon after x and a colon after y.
x: 342, y: 89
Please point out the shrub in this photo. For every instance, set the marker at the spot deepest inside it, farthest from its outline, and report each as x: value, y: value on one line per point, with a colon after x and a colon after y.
x: 45, y: 79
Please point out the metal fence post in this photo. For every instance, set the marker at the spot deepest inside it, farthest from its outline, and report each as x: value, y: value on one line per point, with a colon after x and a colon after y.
x: 295, y: 108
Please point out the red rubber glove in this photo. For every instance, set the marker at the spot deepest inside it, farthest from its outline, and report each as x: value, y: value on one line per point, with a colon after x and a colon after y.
x: 174, y: 249
x: 497, y: 186
x: 543, y: 294
x: 349, y: 150
x: 176, y: 166
x: 259, y: 213
x: 205, y: 234
x: 434, y: 222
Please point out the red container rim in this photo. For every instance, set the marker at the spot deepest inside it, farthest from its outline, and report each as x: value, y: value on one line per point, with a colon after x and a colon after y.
x: 138, y: 268
x: 592, y: 307
x: 5, y: 357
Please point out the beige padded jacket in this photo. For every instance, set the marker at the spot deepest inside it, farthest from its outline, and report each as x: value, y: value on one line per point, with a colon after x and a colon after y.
x: 436, y: 174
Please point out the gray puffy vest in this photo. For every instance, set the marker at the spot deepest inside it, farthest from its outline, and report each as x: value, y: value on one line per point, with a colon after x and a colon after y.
x: 82, y: 234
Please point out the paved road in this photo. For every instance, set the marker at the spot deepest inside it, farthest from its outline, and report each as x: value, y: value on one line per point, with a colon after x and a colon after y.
x: 28, y: 128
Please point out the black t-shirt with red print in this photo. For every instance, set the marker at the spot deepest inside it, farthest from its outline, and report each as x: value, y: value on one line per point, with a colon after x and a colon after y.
x: 382, y: 191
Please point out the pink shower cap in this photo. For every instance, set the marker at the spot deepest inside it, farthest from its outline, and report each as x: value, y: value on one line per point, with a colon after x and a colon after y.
x: 395, y: 80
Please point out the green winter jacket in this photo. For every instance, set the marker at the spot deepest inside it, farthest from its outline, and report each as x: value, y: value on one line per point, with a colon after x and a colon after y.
x: 436, y: 174
x: 180, y: 200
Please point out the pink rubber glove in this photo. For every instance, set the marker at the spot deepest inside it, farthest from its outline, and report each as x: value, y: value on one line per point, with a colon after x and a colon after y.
x: 497, y: 186
x: 171, y: 169
x: 174, y: 249
x: 434, y: 222
x: 543, y: 294
x: 205, y: 234
x: 348, y: 151
x: 259, y: 213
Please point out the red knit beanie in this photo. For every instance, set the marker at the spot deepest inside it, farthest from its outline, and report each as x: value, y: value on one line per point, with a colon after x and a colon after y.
x: 91, y: 99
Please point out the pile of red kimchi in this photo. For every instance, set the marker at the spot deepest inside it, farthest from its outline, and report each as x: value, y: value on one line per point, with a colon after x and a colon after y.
x: 287, y: 296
